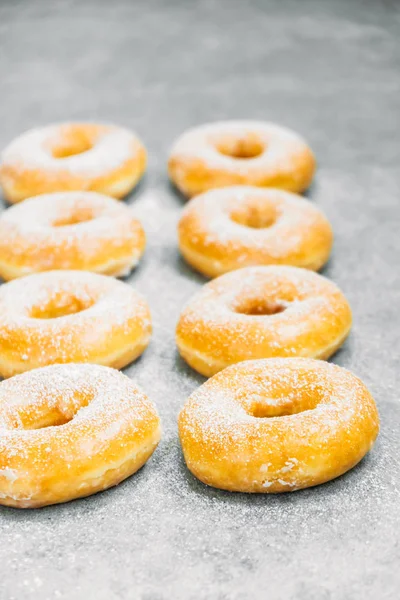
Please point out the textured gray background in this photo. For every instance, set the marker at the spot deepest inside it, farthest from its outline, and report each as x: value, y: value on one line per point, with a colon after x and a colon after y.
x: 331, y: 71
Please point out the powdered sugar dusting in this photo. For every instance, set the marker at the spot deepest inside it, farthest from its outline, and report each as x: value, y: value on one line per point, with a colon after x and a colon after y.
x: 112, y: 146
x: 31, y: 239
x: 230, y: 420
x: 282, y: 148
x: 298, y: 233
x: 222, y: 323
x: 103, y: 310
x: 69, y: 414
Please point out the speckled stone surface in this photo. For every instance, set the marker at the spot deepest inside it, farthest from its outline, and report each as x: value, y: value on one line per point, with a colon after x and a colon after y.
x: 331, y: 71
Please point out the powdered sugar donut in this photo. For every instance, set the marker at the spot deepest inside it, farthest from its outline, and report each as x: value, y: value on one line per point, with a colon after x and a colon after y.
x: 72, y: 156
x: 69, y: 230
x: 262, y: 312
x: 277, y: 425
x: 70, y: 316
x: 69, y: 431
x: 240, y: 153
x: 226, y: 229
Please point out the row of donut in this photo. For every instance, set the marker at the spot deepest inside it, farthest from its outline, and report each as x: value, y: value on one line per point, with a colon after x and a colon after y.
x: 111, y: 160
x: 251, y: 313
x: 276, y: 425
x: 219, y: 231
x: 255, y: 312
x: 273, y: 425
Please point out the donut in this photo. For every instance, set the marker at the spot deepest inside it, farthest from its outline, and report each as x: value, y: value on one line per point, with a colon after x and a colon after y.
x: 72, y: 157
x: 69, y: 230
x: 262, y: 312
x: 277, y: 425
x: 226, y: 229
x: 69, y: 431
x: 70, y: 316
x: 240, y: 153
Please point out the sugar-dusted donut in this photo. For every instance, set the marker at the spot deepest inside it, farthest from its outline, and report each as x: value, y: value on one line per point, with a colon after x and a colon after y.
x: 69, y: 230
x: 240, y: 153
x: 70, y: 316
x: 72, y: 157
x: 69, y: 431
x: 277, y: 425
x: 241, y: 226
x: 262, y: 312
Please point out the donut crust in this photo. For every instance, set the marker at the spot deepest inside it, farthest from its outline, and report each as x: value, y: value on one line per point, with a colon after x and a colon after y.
x: 277, y: 425
x: 70, y: 431
x: 262, y: 312
x: 69, y: 230
x: 72, y: 157
x: 242, y: 226
x: 230, y: 153
x: 70, y: 316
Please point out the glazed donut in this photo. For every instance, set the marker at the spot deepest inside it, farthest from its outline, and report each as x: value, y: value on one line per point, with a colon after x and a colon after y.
x: 72, y: 157
x: 69, y: 431
x: 240, y: 153
x: 277, y: 425
x: 226, y: 229
x: 70, y: 316
x: 262, y: 312
x: 70, y: 230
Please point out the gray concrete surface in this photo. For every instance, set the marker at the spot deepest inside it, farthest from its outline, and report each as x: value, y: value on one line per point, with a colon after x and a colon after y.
x: 331, y: 71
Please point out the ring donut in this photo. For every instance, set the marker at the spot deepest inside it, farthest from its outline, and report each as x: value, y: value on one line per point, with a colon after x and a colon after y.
x: 72, y: 157
x: 70, y: 230
x: 70, y: 316
x: 277, y: 425
x: 241, y: 226
x: 262, y: 312
x: 69, y: 431
x: 240, y: 153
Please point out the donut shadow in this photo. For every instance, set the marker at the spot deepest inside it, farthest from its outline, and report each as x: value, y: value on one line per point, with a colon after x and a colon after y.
x: 326, y: 269
x: 186, y: 270
x: 175, y: 191
x: 310, y: 192
x: 182, y: 367
x: 136, y: 191
x: 342, y: 356
x: 136, y: 362
x: 136, y: 272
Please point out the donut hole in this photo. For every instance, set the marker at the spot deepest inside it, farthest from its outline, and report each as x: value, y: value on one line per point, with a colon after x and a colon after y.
x: 72, y: 140
x: 245, y: 146
x: 71, y: 148
x: 62, y: 306
x: 82, y: 215
x: 259, y: 307
x: 265, y: 409
x: 255, y: 215
x: 46, y: 412
x: 290, y: 403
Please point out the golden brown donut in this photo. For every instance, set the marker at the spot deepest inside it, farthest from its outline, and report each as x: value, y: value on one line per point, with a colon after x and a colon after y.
x: 72, y: 157
x: 69, y: 230
x: 70, y: 316
x: 262, y: 312
x: 240, y: 153
x: 242, y: 226
x: 69, y: 431
x: 277, y: 425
